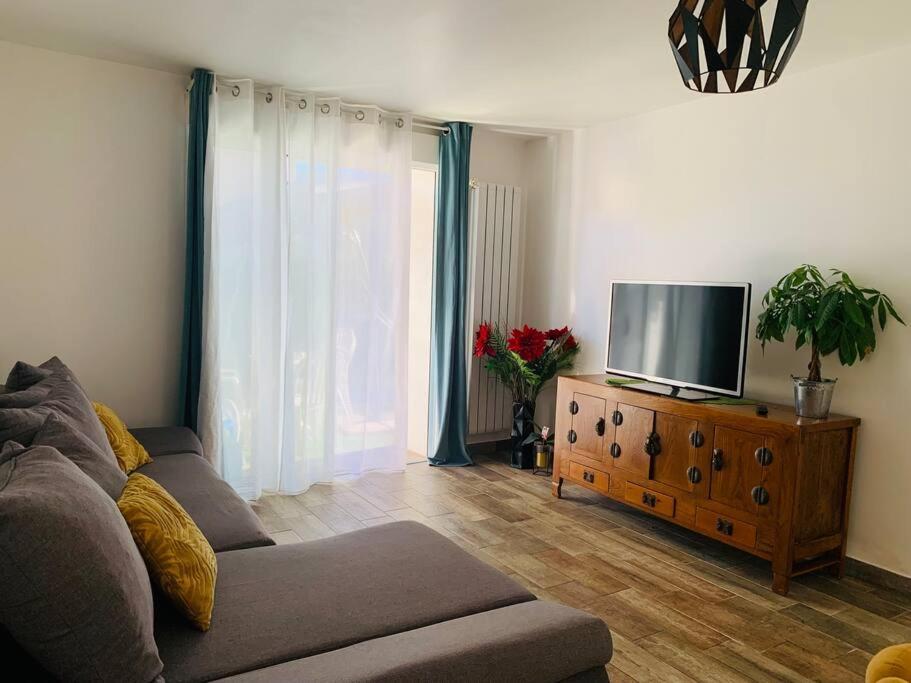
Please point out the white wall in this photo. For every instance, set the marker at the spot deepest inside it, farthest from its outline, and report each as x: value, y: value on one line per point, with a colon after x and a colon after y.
x: 91, y: 234
x: 745, y: 187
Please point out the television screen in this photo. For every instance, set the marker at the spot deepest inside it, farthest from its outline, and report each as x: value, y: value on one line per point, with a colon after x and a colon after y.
x: 690, y: 335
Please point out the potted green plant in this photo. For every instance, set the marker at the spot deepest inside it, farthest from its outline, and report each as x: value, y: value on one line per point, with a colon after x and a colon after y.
x: 829, y: 315
x: 523, y: 361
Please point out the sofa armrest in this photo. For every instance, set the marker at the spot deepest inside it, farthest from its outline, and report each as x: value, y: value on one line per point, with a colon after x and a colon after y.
x: 533, y: 642
x: 160, y: 441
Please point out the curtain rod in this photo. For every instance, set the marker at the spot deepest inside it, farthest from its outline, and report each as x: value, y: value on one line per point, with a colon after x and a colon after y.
x: 344, y: 106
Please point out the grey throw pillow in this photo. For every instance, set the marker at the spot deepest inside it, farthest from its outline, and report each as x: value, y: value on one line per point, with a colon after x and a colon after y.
x: 74, y: 591
x: 58, y: 432
x: 23, y: 375
x: 59, y: 394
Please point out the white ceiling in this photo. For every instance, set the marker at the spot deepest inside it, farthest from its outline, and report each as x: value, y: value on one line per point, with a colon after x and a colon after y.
x: 542, y: 63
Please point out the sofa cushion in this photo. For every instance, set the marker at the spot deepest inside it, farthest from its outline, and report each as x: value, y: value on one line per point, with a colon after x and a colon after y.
x: 23, y: 375
x: 167, y: 440
x: 129, y: 452
x: 75, y: 592
x: 61, y: 434
x: 180, y: 560
x: 532, y: 642
x: 276, y: 604
x: 61, y: 395
x: 225, y: 519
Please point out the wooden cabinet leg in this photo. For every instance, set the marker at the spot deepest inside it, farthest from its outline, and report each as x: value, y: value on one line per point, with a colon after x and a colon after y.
x: 781, y: 583
x: 556, y: 488
x: 838, y: 570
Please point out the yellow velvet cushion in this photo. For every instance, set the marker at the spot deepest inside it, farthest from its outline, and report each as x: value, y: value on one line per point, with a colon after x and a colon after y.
x: 892, y: 665
x: 130, y: 453
x: 179, y: 558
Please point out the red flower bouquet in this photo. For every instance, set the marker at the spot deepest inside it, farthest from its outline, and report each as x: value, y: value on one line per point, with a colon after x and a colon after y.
x: 526, y: 358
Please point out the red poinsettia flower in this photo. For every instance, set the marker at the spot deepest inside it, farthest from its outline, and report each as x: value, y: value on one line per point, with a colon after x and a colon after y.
x: 570, y: 343
x: 482, y: 341
x: 528, y: 343
x: 556, y: 333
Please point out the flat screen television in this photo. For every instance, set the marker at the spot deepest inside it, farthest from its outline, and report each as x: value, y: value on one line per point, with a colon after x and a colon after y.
x: 680, y: 336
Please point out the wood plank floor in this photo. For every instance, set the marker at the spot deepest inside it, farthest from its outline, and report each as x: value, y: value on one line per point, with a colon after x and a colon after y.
x: 680, y: 607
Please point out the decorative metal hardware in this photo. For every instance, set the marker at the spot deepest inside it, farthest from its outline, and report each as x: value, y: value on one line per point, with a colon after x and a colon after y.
x: 571, y: 436
x: 763, y: 456
x: 653, y: 444
x: 717, y: 459
x: 599, y: 428
x: 723, y: 526
x: 649, y: 499
x: 615, y: 450
x: 573, y: 408
x: 588, y: 476
x: 617, y: 418
x: 760, y: 495
x: 697, y: 439
x: 694, y: 475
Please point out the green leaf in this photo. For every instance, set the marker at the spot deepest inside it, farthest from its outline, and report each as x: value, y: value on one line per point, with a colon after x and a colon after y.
x: 854, y: 311
x: 892, y: 311
x: 828, y: 306
x: 847, y: 351
x: 882, y: 314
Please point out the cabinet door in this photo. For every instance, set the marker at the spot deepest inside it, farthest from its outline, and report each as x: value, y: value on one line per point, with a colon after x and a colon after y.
x: 589, y: 425
x: 628, y: 449
x: 735, y: 469
x: 677, y: 454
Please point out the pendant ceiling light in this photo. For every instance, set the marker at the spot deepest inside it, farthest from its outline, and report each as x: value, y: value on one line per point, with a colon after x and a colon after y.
x: 734, y: 45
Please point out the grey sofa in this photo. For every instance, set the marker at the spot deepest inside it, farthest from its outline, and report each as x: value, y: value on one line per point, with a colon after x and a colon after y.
x: 397, y: 602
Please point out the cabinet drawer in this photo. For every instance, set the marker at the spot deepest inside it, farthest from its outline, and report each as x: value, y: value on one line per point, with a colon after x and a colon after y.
x: 588, y: 475
x: 726, y: 528
x: 650, y: 500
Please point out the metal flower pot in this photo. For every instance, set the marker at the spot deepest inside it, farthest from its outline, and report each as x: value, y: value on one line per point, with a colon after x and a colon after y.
x: 813, y: 399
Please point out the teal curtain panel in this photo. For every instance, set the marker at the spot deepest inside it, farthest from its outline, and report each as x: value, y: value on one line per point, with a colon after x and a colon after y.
x: 191, y: 342
x: 448, y: 413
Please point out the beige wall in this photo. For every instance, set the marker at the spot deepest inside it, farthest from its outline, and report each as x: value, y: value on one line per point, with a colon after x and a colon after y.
x: 745, y: 187
x: 91, y: 234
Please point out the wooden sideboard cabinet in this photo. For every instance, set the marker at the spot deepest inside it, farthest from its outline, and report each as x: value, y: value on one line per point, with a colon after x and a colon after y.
x: 777, y: 486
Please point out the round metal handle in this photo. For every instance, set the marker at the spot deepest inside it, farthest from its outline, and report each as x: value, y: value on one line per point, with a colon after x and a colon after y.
x: 617, y: 418
x: 599, y: 427
x: 615, y: 450
x: 717, y: 460
x: 763, y: 456
x: 694, y: 475
x: 573, y: 408
x: 697, y: 439
x: 653, y: 444
x: 571, y: 436
x: 760, y: 495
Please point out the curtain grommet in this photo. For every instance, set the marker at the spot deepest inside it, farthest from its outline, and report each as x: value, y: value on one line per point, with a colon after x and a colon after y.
x: 235, y: 90
x: 359, y: 115
x: 268, y: 98
x: 325, y: 108
x: 302, y: 104
x: 400, y: 122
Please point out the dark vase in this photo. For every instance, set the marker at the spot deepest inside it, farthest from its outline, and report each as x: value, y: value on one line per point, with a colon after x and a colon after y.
x: 523, y: 454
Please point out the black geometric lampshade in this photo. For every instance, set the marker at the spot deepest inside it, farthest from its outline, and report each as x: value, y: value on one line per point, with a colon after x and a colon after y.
x: 733, y: 46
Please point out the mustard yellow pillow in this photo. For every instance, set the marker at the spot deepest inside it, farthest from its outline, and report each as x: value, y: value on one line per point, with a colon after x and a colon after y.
x: 179, y: 558
x: 130, y: 453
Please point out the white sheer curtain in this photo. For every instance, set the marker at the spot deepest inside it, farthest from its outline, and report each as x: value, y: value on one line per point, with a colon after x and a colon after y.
x: 305, y: 332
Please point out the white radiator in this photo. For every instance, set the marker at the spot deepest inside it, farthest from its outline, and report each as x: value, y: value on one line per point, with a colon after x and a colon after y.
x: 496, y: 273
